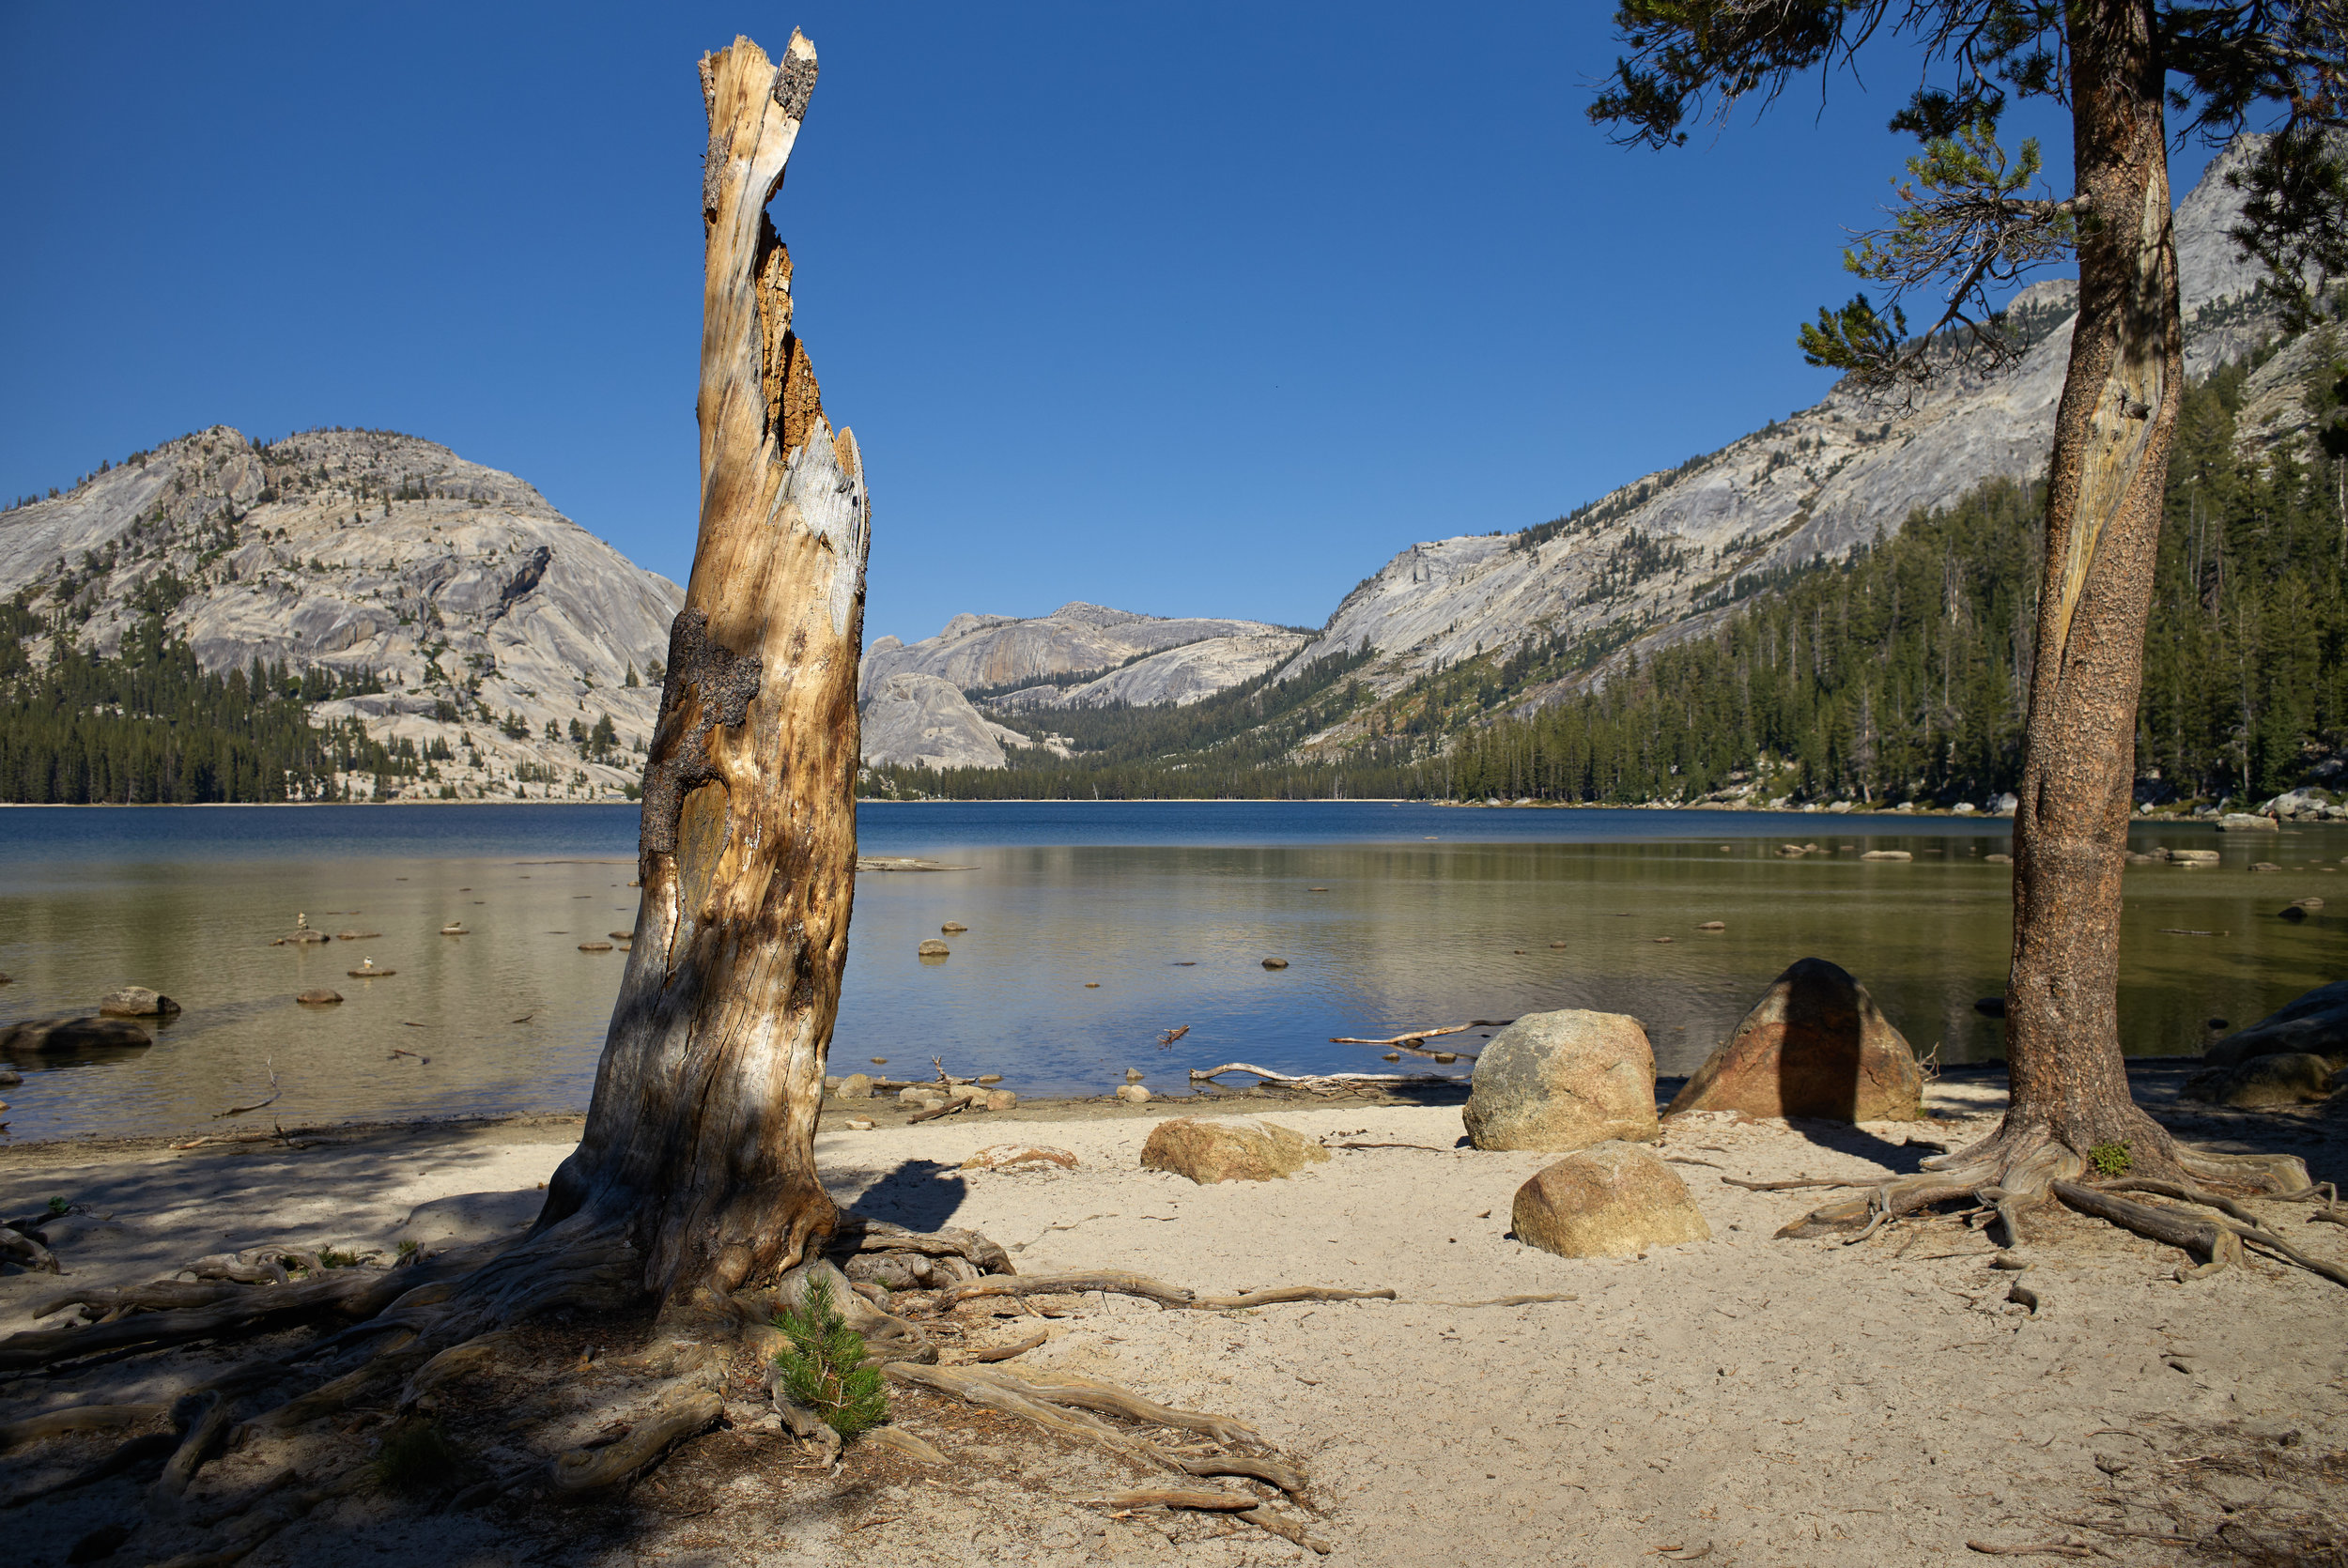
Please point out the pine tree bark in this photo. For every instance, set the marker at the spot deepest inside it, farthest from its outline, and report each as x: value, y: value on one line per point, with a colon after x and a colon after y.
x: 699, y: 1148
x: 2106, y: 480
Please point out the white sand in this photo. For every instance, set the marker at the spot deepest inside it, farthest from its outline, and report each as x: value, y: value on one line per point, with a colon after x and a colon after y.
x: 1780, y: 1401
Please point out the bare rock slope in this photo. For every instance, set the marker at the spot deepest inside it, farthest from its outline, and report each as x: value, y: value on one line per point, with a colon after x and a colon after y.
x: 482, y: 609
x: 918, y: 713
x: 1662, y: 557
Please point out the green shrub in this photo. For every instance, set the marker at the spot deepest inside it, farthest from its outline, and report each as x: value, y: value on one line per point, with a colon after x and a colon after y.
x: 823, y: 1365
x: 2111, y: 1159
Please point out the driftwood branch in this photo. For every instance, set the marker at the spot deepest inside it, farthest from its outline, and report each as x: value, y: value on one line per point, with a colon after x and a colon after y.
x: 1323, y: 1080
x: 273, y: 1092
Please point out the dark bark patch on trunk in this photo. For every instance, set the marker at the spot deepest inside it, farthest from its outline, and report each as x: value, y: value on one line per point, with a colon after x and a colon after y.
x: 708, y: 684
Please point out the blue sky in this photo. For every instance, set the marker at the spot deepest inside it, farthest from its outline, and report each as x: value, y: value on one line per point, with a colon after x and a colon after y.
x: 1188, y: 309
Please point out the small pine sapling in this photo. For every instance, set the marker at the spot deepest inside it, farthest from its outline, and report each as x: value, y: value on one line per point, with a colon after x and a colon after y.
x: 2111, y: 1159
x: 824, y: 1366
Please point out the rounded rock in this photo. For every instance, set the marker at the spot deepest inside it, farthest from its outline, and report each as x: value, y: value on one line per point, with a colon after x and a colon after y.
x: 1563, y: 1081
x: 321, y: 997
x: 1228, y: 1149
x: 933, y: 948
x: 135, y: 1002
x: 1614, y: 1200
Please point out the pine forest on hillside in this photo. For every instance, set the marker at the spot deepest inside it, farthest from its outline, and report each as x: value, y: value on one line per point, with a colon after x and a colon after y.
x: 1896, y: 674
x: 149, y: 727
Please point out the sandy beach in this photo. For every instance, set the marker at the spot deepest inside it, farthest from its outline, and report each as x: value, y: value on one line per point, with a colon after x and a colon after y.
x: 1745, y: 1400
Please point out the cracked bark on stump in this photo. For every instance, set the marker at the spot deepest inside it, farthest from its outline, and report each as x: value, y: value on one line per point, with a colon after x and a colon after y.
x: 699, y: 1146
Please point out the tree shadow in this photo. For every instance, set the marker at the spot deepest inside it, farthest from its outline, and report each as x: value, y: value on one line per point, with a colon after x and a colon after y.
x: 1904, y: 1158
x: 919, y: 1194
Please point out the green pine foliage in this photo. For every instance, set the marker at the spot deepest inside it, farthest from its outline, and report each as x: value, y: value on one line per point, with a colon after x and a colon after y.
x: 150, y: 726
x: 824, y: 1367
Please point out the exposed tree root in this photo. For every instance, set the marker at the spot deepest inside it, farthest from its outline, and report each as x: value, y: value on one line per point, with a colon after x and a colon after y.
x: 153, y: 1448
x: 1116, y: 1282
x: 1184, y: 1497
x: 1288, y: 1530
x: 2011, y: 1175
x: 1270, y: 1472
x: 1004, y: 1352
x: 1287, y: 1293
x: 1119, y: 1282
x: 80, y: 1418
x: 421, y: 1329
x: 687, y: 1410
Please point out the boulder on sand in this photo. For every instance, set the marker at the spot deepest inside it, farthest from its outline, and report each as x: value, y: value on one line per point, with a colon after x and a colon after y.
x: 2285, y: 1080
x: 135, y: 1002
x: 36, y: 1034
x: 1613, y: 1201
x: 1234, y: 1149
x: 1563, y: 1081
x: 2315, y: 1023
x: 1816, y: 1045
x: 857, y: 1085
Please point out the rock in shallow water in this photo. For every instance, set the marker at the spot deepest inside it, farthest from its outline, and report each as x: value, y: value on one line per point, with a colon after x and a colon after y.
x: 1815, y: 1045
x: 44, y: 1034
x: 1563, y: 1081
x: 1616, y: 1200
x: 321, y: 997
x: 136, y: 1002
x: 1234, y: 1149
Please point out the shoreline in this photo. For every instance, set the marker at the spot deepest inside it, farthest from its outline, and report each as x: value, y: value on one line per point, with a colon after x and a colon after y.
x: 2162, y: 1074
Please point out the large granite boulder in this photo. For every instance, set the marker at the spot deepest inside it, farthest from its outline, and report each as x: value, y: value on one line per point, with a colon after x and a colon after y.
x: 1563, y: 1081
x: 1611, y: 1201
x: 136, y: 1002
x: 1228, y: 1149
x: 37, y: 1036
x: 1815, y: 1045
x: 2280, y: 1079
x: 2315, y: 1025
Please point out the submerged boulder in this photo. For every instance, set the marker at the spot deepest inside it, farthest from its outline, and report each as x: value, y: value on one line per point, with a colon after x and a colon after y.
x: 2315, y: 1023
x: 1611, y: 1201
x: 34, y: 1036
x: 1228, y: 1149
x: 135, y: 1002
x: 1815, y: 1045
x: 1563, y: 1081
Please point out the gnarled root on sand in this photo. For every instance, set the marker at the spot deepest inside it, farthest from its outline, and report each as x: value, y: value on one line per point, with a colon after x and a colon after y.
x: 2018, y: 1170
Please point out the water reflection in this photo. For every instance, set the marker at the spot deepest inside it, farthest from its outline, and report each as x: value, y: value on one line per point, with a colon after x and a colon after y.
x: 1408, y: 933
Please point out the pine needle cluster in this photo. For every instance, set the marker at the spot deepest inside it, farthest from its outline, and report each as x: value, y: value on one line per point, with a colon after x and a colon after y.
x: 824, y: 1366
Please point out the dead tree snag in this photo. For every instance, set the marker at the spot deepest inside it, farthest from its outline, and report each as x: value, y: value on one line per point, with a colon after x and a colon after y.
x: 700, y: 1141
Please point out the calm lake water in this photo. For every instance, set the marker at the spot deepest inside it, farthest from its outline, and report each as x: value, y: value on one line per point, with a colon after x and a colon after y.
x: 1389, y: 916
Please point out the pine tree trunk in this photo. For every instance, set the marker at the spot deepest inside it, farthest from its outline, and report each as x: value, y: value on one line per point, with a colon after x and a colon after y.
x: 700, y: 1141
x: 2108, y: 469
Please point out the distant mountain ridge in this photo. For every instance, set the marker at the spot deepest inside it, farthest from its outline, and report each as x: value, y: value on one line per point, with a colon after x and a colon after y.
x: 486, y: 615
x: 1666, y: 555
x: 917, y: 712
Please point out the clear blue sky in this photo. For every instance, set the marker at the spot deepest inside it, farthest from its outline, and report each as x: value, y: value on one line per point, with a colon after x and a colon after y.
x: 1188, y: 309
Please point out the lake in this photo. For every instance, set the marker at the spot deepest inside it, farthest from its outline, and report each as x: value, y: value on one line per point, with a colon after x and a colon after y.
x: 1389, y: 916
